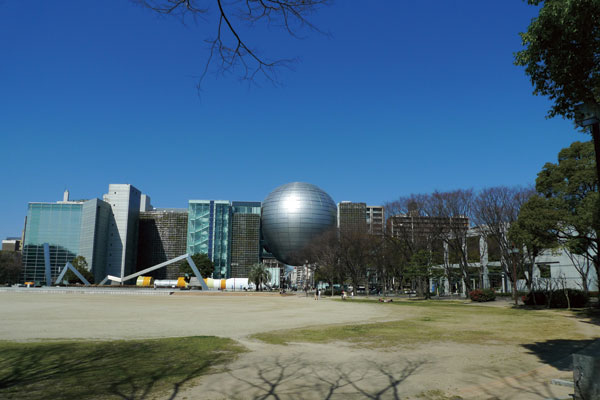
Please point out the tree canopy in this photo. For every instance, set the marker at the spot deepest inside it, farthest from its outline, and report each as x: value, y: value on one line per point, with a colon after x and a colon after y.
x: 567, y: 208
x: 10, y: 266
x: 561, y: 53
x: 81, y: 265
x: 203, y: 263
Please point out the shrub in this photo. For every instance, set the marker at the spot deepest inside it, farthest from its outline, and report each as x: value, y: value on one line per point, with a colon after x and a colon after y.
x: 577, y: 298
x: 482, y: 295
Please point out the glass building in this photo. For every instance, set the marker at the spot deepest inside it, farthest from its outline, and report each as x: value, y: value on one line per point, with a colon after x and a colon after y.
x: 209, y: 232
x: 57, y: 224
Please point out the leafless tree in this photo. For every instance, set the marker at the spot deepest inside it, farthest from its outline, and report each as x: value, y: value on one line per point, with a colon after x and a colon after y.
x: 356, y: 255
x: 495, y: 209
x: 229, y: 47
x: 452, y: 210
x: 324, y: 252
x: 403, y: 239
x: 582, y: 264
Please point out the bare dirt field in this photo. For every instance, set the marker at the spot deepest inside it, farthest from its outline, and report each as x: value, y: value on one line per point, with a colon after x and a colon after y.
x: 334, y: 370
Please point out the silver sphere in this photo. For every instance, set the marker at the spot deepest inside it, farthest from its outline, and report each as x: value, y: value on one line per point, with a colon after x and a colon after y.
x: 292, y: 215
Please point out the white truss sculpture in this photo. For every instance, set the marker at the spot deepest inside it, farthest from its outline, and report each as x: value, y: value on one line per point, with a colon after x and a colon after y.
x: 158, y: 266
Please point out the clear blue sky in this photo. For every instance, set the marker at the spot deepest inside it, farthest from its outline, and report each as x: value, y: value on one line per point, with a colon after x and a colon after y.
x: 405, y: 97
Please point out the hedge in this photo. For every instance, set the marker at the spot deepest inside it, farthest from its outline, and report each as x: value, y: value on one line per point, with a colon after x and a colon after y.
x: 482, y: 295
x: 577, y: 298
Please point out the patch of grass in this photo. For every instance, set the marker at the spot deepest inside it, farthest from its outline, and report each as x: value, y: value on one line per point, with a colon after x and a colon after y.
x: 436, y: 395
x: 428, y: 321
x: 108, y: 369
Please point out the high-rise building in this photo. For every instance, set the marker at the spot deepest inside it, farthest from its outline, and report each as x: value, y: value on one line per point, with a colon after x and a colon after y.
x: 95, y: 219
x: 209, y: 232
x: 375, y: 220
x: 162, y: 237
x: 352, y: 217
x: 124, y: 201
x: 70, y: 229
x: 245, y: 237
x: 245, y: 243
x: 145, y: 203
x: 59, y: 225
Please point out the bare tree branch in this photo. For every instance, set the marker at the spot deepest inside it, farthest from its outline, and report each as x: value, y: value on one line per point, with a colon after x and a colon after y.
x: 229, y: 51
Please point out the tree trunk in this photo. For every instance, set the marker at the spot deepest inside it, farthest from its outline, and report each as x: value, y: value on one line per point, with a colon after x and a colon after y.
x: 596, y: 140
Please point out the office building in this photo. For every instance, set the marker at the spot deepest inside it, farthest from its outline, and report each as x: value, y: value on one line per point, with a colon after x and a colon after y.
x: 124, y: 201
x: 162, y: 237
x: 59, y: 225
x: 11, y: 244
x: 352, y: 217
x: 95, y: 219
x: 245, y: 243
x: 375, y: 220
x: 145, y: 203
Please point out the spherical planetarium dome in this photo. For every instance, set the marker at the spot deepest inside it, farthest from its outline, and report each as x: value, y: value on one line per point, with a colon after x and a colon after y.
x: 292, y: 215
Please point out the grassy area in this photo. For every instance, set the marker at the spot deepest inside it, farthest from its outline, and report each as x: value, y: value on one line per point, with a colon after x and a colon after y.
x: 115, y: 369
x: 419, y: 322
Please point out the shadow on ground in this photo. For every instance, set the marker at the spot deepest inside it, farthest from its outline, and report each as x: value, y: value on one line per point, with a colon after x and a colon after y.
x: 589, y: 315
x: 84, y: 370
x: 289, y: 377
x: 557, y: 353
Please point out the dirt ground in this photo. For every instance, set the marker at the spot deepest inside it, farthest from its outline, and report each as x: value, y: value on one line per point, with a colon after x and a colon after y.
x: 298, y: 370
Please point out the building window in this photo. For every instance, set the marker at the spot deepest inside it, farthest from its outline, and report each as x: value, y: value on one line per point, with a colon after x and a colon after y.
x: 544, y: 271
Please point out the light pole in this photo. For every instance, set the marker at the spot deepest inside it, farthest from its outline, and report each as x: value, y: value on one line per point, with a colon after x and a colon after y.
x: 514, y: 251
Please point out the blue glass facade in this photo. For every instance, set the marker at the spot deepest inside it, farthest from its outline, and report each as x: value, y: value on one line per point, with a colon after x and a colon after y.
x: 209, y: 232
x: 59, y: 225
x: 246, y: 207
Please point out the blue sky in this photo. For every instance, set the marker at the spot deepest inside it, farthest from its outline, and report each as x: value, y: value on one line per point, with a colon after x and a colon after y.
x: 403, y: 97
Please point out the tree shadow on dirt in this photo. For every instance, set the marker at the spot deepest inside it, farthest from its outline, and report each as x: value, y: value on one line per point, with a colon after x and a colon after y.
x: 292, y: 378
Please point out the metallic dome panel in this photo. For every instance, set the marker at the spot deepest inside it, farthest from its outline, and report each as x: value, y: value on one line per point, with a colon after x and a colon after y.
x: 292, y: 215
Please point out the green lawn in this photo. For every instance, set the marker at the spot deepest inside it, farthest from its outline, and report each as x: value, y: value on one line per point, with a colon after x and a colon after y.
x: 419, y: 322
x: 134, y: 369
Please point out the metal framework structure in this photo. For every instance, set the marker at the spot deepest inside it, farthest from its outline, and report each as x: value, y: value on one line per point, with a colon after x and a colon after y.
x: 47, y: 264
x: 158, y: 266
x: 70, y: 266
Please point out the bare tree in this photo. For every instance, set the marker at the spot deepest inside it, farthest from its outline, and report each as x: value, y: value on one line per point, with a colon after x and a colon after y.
x: 582, y: 266
x: 324, y: 253
x: 405, y: 235
x: 229, y: 48
x: 495, y: 209
x: 356, y: 254
x: 451, y: 211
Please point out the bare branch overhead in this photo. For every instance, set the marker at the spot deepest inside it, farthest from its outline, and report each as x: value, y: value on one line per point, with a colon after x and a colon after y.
x: 231, y: 52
